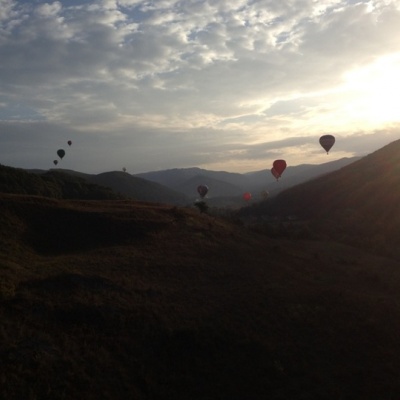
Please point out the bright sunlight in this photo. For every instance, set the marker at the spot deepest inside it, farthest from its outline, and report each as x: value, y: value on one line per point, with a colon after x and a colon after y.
x: 374, y: 91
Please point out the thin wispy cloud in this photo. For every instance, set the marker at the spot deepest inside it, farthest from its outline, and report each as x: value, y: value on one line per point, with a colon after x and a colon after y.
x: 163, y: 84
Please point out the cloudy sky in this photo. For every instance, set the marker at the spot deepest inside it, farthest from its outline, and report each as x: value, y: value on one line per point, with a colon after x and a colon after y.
x: 219, y: 84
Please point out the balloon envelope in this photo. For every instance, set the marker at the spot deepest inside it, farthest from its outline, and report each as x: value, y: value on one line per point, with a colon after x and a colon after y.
x: 279, y: 166
x: 275, y: 173
x: 327, y: 141
x: 69, y: 143
x: 55, y: 162
x: 61, y: 153
x: 247, y: 196
x: 202, y: 190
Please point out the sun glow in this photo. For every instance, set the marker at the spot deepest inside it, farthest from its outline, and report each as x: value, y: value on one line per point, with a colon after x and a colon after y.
x: 373, y: 91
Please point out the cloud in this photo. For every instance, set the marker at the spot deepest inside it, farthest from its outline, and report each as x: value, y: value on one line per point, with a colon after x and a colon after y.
x: 209, y: 81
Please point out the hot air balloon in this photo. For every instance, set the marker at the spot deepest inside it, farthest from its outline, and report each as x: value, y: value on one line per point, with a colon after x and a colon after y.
x: 61, y: 153
x: 69, y: 143
x: 264, y: 194
x: 55, y: 162
x: 327, y: 141
x: 246, y: 196
x: 275, y: 173
x: 279, y: 166
x: 202, y: 190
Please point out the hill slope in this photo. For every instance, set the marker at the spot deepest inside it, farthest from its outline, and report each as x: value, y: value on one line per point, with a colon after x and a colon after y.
x: 359, y: 203
x: 52, y: 183
x: 123, y: 299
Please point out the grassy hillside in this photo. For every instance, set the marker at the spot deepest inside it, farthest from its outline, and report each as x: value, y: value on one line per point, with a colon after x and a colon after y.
x: 131, y: 300
x: 358, y: 204
x: 55, y: 184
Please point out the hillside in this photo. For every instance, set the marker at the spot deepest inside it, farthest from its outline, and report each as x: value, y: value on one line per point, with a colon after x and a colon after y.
x: 294, y: 175
x: 53, y: 183
x: 123, y: 184
x: 357, y: 204
x: 120, y: 299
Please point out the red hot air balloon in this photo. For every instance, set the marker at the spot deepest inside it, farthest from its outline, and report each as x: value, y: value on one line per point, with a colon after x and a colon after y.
x: 69, y: 143
x: 247, y: 196
x: 327, y: 141
x: 202, y: 190
x: 275, y: 173
x: 279, y: 166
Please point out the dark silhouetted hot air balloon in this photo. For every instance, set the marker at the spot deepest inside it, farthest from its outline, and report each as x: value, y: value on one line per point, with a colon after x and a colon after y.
x: 202, y: 190
x: 69, y: 143
x: 61, y: 153
x: 327, y: 141
x: 246, y: 196
x: 275, y: 173
x: 279, y: 166
x: 55, y: 162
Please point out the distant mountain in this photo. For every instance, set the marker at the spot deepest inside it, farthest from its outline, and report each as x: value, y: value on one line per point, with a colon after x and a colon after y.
x: 217, y: 187
x: 180, y: 178
x: 359, y: 203
x: 138, y: 188
x: 228, y: 187
x: 179, y: 186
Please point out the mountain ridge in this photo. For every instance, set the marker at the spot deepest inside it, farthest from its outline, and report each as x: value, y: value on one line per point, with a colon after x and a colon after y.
x: 179, y: 186
x: 250, y: 181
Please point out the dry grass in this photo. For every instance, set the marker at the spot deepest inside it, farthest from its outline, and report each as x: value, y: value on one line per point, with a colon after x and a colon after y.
x: 128, y: 300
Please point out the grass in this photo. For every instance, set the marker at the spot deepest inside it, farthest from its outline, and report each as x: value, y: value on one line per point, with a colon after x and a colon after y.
x: 130, y: 300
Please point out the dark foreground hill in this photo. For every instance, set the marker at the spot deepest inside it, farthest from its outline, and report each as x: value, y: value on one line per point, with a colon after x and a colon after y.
x: 126, y: 300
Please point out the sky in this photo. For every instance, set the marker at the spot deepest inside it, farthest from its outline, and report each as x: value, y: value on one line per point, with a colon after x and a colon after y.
x: 227, y: 85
